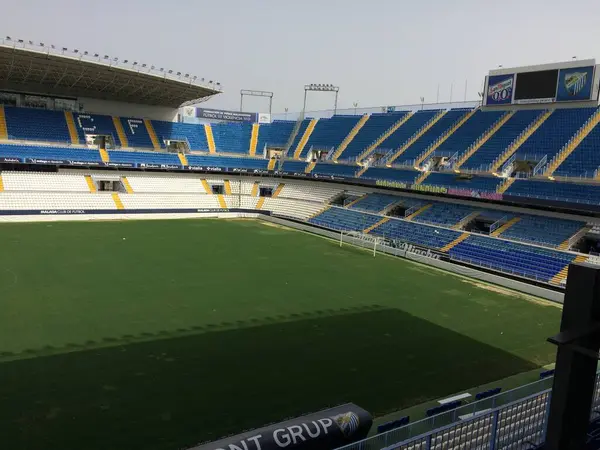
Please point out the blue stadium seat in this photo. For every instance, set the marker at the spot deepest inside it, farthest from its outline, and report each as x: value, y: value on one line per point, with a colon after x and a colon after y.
x: 444, y: 214
x: 192, y: 133
x: 136, y: 132
x: 329, y: 133
x: 48, y: 153
x: 557, y: 191
x: 501, y: 139
x: 96, y: 124
x: 374, y: 128
x: 415, y: 233
x: 121, y: 156
x: 435, y: 132
x: 542, y: 230
x: 275, y: 134
x: 232, y: 137
x: 342, y: 170
x: 585, y: 159
x: 376, y: 202
x: 407, y: 130
x: 399, y: 175
x: 341, y: 219
x: 294, y: 166
x: 228, y: 162
x: 452, y: 180
x: 36, y: 124
x: 298, y: 137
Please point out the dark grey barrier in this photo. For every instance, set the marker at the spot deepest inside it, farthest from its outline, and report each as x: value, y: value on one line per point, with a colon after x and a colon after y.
x: 327, y: 429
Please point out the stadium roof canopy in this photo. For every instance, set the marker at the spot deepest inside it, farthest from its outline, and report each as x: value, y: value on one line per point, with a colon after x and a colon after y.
x: 48, y: 71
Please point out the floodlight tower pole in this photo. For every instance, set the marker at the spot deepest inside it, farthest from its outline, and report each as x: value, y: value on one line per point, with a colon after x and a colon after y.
x: 252, y: 93
x: 321, y: 88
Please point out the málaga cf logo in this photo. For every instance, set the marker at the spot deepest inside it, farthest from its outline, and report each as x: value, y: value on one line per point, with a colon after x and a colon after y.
x: 575, y: 82
x: 348, y: 423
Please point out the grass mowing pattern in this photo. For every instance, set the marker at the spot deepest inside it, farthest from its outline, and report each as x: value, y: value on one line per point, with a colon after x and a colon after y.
x: 188, y: 330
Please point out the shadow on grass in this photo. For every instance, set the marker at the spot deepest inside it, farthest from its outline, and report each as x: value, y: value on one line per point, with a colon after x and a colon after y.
x: 176, y: 391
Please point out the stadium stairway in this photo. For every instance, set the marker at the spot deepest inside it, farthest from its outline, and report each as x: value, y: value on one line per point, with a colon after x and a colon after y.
x: 212, y: 148
x: 120, y: 131
x: 254, y: 192
x: 455, y: 242
x: 502, y: 188
x: 309, y: 129
x: 254, y: 139
x: 72, y: 128
x: 483, y: 139
x: 260, y: 203
x: 416, y: 136
x: 512, y: 148
x: 566, y: 245
x: 422, y: 177
x: 3, y: 129
x: 206, y: 187
x: 222, y: 202
x: 433, y: 147
x: 90, y: 183
x: 182, y: 159
x: 419, y: 211
x: 152, y: 134
x: 310, y: 166
x: 498, y: 231
x: 356, y: 200
x: 1, y: 184
x: 561, y: 276
x: 227, y: 185
x: 126, y: 185
x: 272, y: 164
x: 104, y: 155
x: 351, y: 135
x: 466, y: 220
x: 366, y: 152
x: 362, y: 170
x: 573, y: 143
x: 278, y: 190
x: 117, y: 200
x: 375, y: 225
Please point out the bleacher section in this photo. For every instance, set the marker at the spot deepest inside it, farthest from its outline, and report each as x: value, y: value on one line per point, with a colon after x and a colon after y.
x: 454, y: 181
x: 232, y: 137
x: 329, y: 133
x: 375, y: 202
x: 227, y: 162
x: 585, y: 159
x: 398, y: 175
x: 341, y: 219
x: 547, y: 190
x: 542, y: 230
x: 152, y: 183
x: 342, y: 170
x: 434, y: 133
x: 406, y: 131
x: 275, y: 134
x: 500, y: 141
x: 377, y: 125
x: 415, y: 233
x: 120, y: 156
x: 36, y: 125
x: 444, y: 214
x: 21, y: 152
x: 96, y: 124
x: 136, y: 132
x: 294, y: 166
x: 467, y: 134
x: 193, y: 134
x: 40, y: 181
x: 301, y: 130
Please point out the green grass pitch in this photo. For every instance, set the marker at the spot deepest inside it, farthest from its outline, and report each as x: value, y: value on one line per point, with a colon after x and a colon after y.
x: 161, y: 334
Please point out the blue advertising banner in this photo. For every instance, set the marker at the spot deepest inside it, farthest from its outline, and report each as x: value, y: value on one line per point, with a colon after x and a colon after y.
x: 226, y: 116
x: 500, y: 89
x: 575, y: 84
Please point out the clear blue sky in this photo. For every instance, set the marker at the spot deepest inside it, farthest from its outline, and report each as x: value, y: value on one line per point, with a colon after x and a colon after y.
x: 380, y: 52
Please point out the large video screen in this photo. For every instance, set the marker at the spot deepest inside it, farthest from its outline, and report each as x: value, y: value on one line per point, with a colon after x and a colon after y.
x: 536, y: 85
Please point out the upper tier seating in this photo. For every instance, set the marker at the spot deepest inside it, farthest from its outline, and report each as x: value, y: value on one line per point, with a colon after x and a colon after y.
x: 120, y: 156
x: 415, y: 233
x: 136, y: 132
x: 303, y: 126
x: 375, y: 202
x: 417, y: 121
x: 227, y: 161
x: 232, y: 137
x: 454, y: 181
x: 41, y: 181
x: 501, y: 139
x: 542, y: 230
x: 342, y: 219
x: 376, y: 126
x: 444, y: 214
x: 193, y: 134
x: 524, y: 260
x: 555, y: 132
x: 275, y: 134
x: 567, y: 192
x: 294, y: 166
x: 329, y: 133
x: 468, y: 133
x: 342, y: 170
x: 585, y: 159
x: 400, y: 175
x: 96, y: 124
x: 36, y: 124
x: 433, y: 134
x: 49, y: 153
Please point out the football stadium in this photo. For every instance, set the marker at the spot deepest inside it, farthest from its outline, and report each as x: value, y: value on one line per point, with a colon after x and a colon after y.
x: 174, y: 275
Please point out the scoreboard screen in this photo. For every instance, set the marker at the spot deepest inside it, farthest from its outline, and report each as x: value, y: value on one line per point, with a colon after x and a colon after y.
x: 536, y: 85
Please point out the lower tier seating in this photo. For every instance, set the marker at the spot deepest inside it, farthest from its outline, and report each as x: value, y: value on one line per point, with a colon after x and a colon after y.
x: 341, y: 219
x: 375, y: 202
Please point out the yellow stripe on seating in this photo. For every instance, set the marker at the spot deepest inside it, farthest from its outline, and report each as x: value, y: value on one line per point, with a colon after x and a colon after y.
x: 1, y: 184
x: 182, y: 159
x: 120, y: 132
x: 90, y: 183
x: 71, y: 126
x: 455, y: 242
x: 117, y: 200
x: 104, y: 155
x: 127, y: 185
x: 222, y: 202
x: 206, y: 187
x: 254, y: 192
x: 278, y: 190
x: 260, y: 203
x: 372, y: 227
x: 227, y: 187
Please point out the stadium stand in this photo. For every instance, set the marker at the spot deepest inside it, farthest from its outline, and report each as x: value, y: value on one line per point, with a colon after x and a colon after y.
x: 452, y: 180
x: 152, y: 183
x: 329, y: 133
x: 415, y: 233
x: 444, y: 214
x: 340, y: 219
x: 194, y: 135
x: 136, y: 132
x: 542, y: 230
x: 343, y: 170
x: 585, y: 159
x: 97, y: 124
x: 36, y: 125
x: 398, y: 175
x: 49, y: 153
x: 227, y: 162
x: 294, y: 166
x: 275, y: 134
x: 301, y: 130
x: 121, y: 156
x: 412, y: 126
x: 375, y: 202
x: 232, y: 137
x: 40, y: 181
x: 548, y: 190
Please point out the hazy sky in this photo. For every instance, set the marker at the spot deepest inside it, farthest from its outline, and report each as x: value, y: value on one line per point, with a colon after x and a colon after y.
x: 380, y: 52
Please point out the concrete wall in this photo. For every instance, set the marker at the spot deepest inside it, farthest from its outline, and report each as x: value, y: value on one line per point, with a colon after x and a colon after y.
x: 95, y: 106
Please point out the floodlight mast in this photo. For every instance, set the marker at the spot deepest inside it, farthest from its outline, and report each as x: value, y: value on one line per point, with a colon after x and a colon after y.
x: 321, y: 88
x: 252, y: 93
